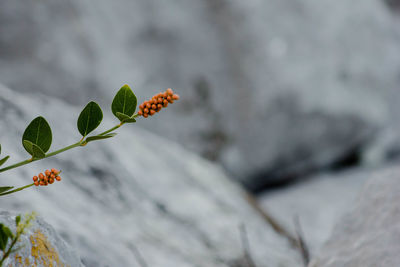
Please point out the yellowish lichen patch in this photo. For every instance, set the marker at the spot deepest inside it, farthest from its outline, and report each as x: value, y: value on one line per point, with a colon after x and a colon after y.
x: 43, y: 252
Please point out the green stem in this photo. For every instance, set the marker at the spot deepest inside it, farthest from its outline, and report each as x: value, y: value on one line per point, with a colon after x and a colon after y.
x: 16, y: 190
x: 80, y: 143
x: 7, y: 253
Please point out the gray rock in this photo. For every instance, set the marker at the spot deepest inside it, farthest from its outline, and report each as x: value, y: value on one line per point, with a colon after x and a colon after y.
x: 368, y: 235
x: 272, y: 89
x: 39, y: 246
x: 136, y: 196
x: 319, y: 202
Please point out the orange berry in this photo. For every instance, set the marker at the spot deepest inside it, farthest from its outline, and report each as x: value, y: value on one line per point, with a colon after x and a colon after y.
x: 151, y: 101
x: 153, y: 107
x: 41, y: 176
x: 36, y: 183
x: 53, y: 176
x: 152, y: 112
x: 55, y: 171
x: 41, y: 183
x: 169, y: 98
x: 145, y: 115
x: 165, y: 94
x: 140, y: 113
x: 51, y: 181
x: 169, y: 91
x: 159, y: 100
x: 141, y: 106
x: 148, y: 105
x: 47, y: 173
x: 58, y: 178
x: 146, y: 110
x: 175, y: 97
x: 35, y: 178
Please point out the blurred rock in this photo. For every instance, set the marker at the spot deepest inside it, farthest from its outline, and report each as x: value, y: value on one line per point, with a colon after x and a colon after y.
x: 319, y: 202
x: 272, y: 89
x: 39, y: 246
x: 369, y: 234
x: 136, y: 197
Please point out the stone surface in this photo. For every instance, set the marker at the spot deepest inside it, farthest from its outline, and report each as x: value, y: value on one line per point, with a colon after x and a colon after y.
x: 39, y: 246
x: 136, y: 196
x: 369, y: 234
x: 319, y: 202
x: 272, y: 89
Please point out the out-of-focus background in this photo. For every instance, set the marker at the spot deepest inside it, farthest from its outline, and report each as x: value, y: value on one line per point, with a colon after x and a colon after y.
x: 287, y: 109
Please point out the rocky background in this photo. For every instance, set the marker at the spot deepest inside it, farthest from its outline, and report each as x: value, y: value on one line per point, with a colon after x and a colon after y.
x: 298, y: 101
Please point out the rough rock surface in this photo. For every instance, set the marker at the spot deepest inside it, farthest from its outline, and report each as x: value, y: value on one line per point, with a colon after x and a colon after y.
x: 319, y: 202
x: 39, y: 246
x: 368, y: 235
x: 133, y: 197
x: 272, y: 89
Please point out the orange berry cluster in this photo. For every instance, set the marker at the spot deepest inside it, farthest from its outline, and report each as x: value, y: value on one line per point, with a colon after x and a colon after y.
x: 157, y: 102
x: 47, y: 178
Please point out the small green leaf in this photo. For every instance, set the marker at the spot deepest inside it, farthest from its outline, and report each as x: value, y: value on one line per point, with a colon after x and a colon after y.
x: 3, y: 237
x: 124, y: 102
x: 100, y: 137
x: 17, y: 220
x: 3, y: 160
x: 125, y: 118
x: 38, y: 133
x: 5, y: 188
x: 33, y: 149
x: 90, y: 118
x: 8, y: 232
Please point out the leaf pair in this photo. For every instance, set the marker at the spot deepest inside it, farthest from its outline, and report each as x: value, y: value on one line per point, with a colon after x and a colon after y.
x: 37, y: 138
x: 124, y: 105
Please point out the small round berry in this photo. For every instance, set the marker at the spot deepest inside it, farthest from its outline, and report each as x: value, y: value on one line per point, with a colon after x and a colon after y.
x: 165, y: 103
x: 58, y: 178
x: 175, y: 97
x: 145, y: 115
x: 47, y: 173
x: 146, y: 110
x: 36, y: 183
x: 160, y: 100
x: 52, y: 176
x: 153, y: 107
x: 169, y: 98
x: 51, y: 180
x: 152, y: 112
x: 55, y: 171
x: 141, y: 106
x: 140, y: 113
x: 159, y: 106
x: 41, y: 183
x: 165, y: 94
x: 148, y: 105
x: 35, y: 178
x: 41, y: 176
x: 170, y: 92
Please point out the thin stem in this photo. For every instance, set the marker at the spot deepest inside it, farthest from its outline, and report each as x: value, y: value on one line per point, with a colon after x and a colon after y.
x: 16, y: 190
x: 7, y: 253
x: 80, y: 143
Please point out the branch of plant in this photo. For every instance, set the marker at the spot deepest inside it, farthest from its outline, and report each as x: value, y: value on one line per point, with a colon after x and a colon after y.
x: 80, y: 143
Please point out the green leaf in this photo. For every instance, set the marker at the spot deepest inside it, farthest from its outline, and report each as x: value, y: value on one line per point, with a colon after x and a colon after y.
x: 8, y: 232
x: 90, y: 118
x: 100, y: 137
x: 33, y: 149
x: 3, y: 237
x: 5, y: 188
x: 17, y: 220
x: 38, y: 133
x: 3, y: 160
x: 124, y: 102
